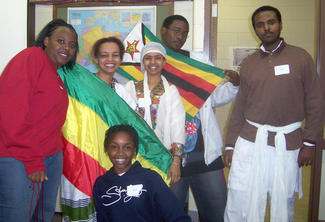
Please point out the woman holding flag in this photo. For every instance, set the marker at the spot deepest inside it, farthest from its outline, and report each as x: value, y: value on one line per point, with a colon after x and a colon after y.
x: 108, y: 54
x: 159, y: 103
x: 33, y: 109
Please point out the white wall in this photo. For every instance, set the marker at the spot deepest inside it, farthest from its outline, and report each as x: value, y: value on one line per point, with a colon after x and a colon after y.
x: 43, y: 15
x: 13, y: 38
x: 193, y: 11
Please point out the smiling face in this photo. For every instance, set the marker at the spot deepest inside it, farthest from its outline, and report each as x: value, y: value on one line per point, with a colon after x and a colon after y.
x: 120, y: 150
x: 60, y: 47
x: 108, y: 58
x: 174, y: 37
x: 153, y: 62
x: 268, y: 29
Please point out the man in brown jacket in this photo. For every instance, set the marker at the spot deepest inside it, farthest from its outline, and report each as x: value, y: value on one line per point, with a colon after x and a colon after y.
x: 265, y: 144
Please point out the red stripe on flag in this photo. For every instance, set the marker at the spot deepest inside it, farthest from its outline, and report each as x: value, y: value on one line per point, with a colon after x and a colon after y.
x: 191, y: 98
x: 193, y: 79
x: 80, y: 169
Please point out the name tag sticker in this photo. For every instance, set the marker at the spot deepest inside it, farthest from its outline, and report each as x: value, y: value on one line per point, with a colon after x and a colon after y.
x: 141, y: 102
x: 134, y: 190
x: 281, y: 70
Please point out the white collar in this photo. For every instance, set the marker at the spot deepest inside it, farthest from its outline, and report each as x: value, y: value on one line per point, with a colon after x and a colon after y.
x: 264, y: 50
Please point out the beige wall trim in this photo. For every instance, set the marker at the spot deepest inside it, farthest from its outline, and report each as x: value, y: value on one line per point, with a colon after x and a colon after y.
x: 315, y: 182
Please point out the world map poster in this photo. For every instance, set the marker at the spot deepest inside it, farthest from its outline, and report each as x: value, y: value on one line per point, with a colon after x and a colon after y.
x: 93, y: 23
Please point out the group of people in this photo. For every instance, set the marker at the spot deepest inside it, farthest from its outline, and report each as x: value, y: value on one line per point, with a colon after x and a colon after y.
x: 279, y: 88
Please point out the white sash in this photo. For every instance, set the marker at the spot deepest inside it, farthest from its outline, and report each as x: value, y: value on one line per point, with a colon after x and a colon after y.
x: 256, y: 191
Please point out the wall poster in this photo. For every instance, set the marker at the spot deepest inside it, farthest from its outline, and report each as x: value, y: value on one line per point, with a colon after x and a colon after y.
x: 93, y: 23
x: 238, y: 55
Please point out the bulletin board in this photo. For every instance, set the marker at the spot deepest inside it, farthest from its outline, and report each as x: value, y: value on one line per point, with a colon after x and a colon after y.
x: 163, y: 10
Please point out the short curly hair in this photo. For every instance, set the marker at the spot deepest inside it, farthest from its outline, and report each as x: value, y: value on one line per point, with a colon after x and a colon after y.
x: 109, y: 39
x: 170, y: 19
x: 121, y: 128
x: 266, y: 8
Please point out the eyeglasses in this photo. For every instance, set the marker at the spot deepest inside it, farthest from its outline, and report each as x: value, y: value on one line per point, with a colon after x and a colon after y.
x: 177, y: 32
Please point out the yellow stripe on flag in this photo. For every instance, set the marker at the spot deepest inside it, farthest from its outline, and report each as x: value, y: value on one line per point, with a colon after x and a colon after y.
x: 186, y: 68
x: 146, y: 39
x: 146, y: 164
x: 190, y: 109
x: 137, y: 74
x: 86, y: 130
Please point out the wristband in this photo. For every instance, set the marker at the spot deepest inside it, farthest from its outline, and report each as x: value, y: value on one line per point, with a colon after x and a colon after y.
x: 176, y: 164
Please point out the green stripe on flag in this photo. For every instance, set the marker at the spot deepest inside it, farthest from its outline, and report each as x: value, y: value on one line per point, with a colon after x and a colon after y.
x: 125, y: 74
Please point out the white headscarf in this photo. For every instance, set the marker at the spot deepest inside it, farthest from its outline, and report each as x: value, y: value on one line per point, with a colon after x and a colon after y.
x: 151, y: 47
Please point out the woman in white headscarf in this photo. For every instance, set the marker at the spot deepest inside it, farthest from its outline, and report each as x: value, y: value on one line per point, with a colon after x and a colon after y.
x: 159, y: 103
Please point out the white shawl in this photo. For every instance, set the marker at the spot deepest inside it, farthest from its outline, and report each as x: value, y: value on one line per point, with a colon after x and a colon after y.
x: 170, y: 114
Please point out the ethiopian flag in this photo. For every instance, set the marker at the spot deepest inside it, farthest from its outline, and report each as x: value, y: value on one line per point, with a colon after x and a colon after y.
x: 194, y: 80
x: 93, y: 108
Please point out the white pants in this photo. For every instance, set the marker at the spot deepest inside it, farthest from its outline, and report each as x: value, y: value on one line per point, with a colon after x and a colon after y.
x: 241, y: 169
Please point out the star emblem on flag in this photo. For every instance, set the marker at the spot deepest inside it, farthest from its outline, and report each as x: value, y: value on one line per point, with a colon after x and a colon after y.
x: 132, y: 48
x: 194, y: 80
